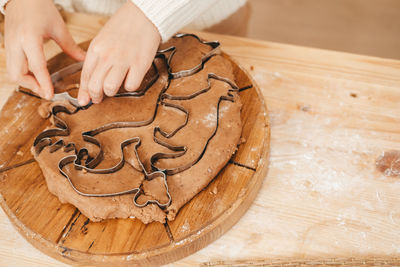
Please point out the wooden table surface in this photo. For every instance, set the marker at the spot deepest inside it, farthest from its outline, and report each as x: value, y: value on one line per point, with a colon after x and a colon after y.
x: 332, y: 115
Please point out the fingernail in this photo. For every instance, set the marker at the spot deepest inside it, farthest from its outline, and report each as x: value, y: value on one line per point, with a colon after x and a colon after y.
x: 97, y: 100
x: 109, y: 93
x: 82, y: 100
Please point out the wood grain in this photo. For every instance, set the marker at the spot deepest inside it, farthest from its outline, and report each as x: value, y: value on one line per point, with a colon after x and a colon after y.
x: 113, y: 236
x: 28, y: 203
x: 17, y: 128
x: 332, y: 114
x: 252, y: 114
x: 209, y: 204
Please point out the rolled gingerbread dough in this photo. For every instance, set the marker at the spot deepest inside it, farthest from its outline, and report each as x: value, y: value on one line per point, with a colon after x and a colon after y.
x: 186, y: 128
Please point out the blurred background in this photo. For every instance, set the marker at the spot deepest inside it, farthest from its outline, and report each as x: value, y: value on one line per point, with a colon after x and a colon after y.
x: 370, y: 27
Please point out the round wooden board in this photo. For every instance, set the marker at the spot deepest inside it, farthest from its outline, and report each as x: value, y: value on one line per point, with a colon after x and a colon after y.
x: 62, y: 232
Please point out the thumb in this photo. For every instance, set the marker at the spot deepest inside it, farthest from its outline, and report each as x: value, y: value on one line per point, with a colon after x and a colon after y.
x: 64, y: 39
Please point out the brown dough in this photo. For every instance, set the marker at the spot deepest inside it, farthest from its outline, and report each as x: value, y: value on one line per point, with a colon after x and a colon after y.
x: 208, y: 147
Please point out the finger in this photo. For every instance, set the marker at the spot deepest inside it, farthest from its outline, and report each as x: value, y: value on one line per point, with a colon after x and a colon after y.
x: 87, y: 70
x: 64, y: 39
x: 28, y: 81
x: 83, y: 96
x: 16, y: 60
x: 96, y: 82
x: 37, y: 64
x: 114, y: 79
x: 17, y: 67
x: 135, y: 76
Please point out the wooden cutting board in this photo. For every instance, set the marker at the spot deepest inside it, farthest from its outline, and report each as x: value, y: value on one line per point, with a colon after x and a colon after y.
x: 61, y: 231
x: 332, y: 116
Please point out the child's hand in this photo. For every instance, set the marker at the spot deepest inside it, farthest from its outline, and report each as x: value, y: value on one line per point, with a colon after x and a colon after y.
x: 125, y: 47
x: 27, y: 24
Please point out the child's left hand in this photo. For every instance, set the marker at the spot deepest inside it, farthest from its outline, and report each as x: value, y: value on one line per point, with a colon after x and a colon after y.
x: 125, y: 47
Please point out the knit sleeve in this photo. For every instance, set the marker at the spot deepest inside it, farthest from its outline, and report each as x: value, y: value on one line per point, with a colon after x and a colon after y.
x: 170, y: 16
x: 3, y: 3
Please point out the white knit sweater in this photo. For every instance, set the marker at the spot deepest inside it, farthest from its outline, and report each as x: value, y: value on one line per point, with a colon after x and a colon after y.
x: 167, y: 15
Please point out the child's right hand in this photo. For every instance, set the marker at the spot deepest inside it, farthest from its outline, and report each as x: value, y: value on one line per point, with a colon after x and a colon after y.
x: 27, y: 24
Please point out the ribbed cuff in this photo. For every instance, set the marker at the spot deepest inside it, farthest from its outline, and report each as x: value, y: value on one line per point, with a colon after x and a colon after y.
x: 170, y: 16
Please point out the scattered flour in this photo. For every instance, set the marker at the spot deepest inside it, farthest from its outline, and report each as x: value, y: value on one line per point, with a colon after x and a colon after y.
x: 210, y: 119
x: 185, y: 227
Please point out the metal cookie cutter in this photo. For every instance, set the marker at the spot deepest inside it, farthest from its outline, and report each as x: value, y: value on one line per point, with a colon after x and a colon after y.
x: 76, y: 160
x: 215, y: 50
x: 73, y: 68
x: 62, y: 129
x: 44, y: 139
x: 182, y: 149
x: 61, y: 74
x: 90, y: 164
x: 57, y: 76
